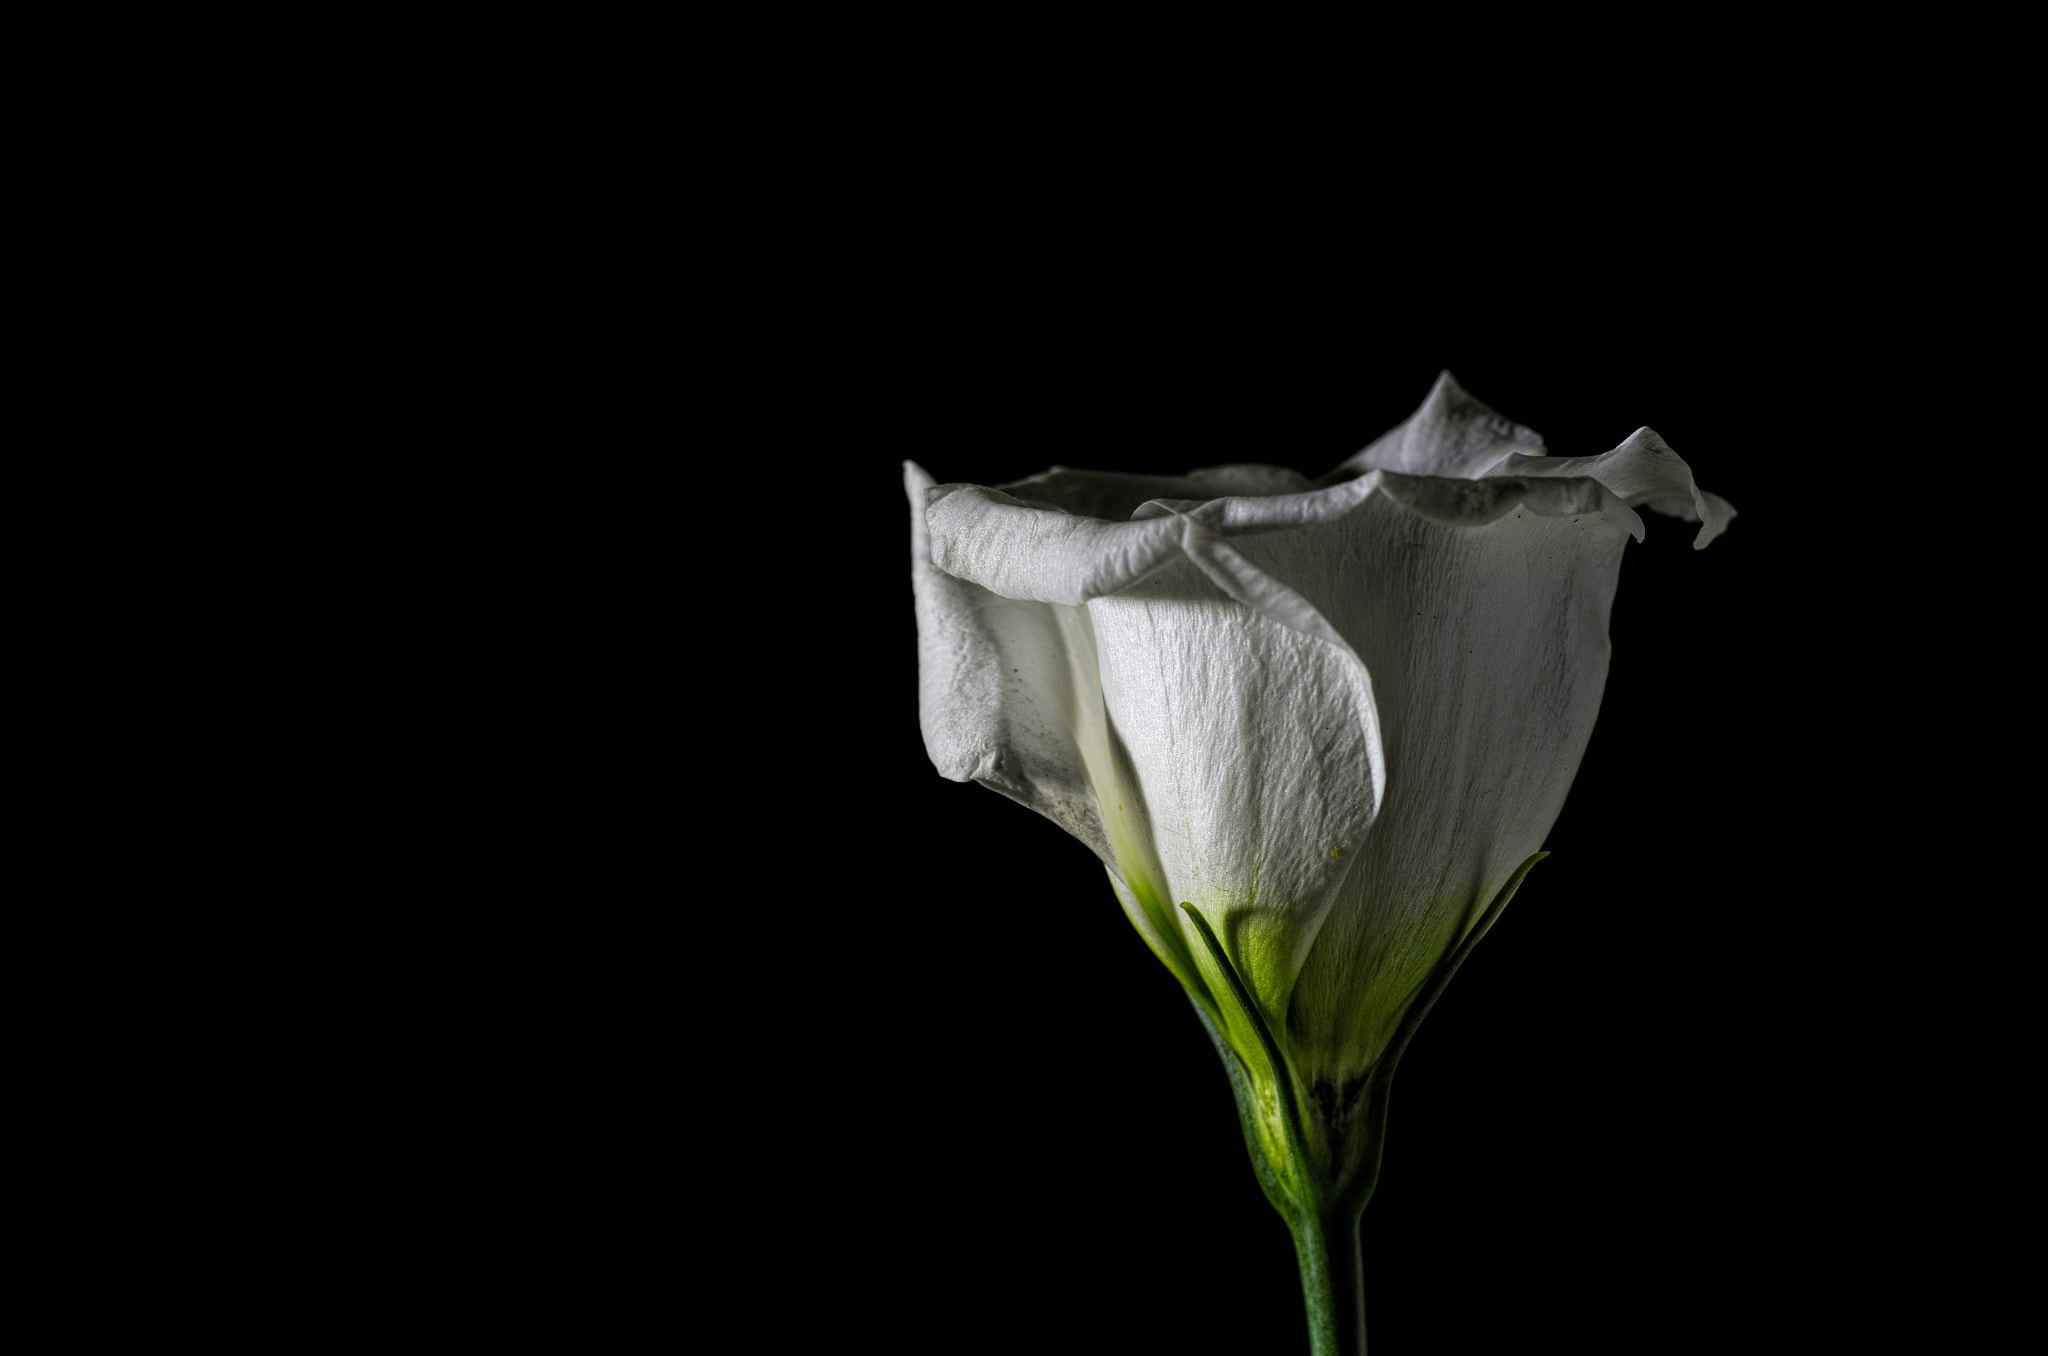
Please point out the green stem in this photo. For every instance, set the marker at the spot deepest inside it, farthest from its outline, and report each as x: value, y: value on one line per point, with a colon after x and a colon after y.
x: 1332, y: 1283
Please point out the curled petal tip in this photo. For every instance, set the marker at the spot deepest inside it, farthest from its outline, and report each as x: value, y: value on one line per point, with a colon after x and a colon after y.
x: 1714, y: 521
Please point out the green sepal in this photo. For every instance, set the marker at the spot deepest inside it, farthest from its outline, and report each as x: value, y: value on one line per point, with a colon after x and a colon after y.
x: 1247, y: 1113
x: 1303, y: 1167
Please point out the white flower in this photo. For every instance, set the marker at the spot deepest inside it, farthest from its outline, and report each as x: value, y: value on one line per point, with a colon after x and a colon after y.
x: 1334, y: 716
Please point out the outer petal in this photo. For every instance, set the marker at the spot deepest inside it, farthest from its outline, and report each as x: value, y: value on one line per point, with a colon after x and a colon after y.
x: 1010, y: 695
x: 1488, y: 648
x: 998, y: 695
x: 1450, y: 434
x: 1254, y: 744
x: 1644, y: 470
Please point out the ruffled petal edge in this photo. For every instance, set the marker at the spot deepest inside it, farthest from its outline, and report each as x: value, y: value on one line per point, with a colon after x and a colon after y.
x: 1642, y: 470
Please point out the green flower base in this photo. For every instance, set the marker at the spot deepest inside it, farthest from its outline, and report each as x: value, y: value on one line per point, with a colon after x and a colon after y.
x: 1322, y: 1203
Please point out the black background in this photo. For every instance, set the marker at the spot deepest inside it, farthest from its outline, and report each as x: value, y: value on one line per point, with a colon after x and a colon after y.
x: 1638, y: 1120
x: 620, y: 975
x: 771, y: 1024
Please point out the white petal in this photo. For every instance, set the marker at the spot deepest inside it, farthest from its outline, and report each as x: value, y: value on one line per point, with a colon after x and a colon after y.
x: 1240, y: 515
x: 1448, y: 500
x: 1112, y: 495
x: 998, y: 694
x: 1450, y: 434
x: 1008, y: 547
x: 1025, y: 551
x: 1010, y: 695
x: 1253, y: 742
x: 1488, y: 650
x: 1475, y: 503
x: 1644, y: 470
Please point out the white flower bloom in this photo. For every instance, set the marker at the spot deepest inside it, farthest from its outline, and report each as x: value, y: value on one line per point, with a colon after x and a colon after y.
x: 1333, y: 715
